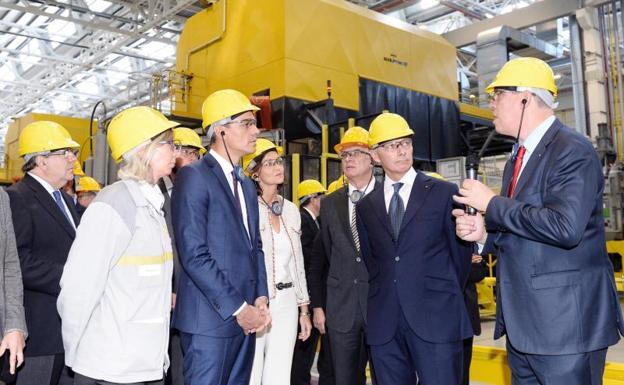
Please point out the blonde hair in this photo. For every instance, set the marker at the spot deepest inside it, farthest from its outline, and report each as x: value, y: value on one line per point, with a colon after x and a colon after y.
x: 135, y: 164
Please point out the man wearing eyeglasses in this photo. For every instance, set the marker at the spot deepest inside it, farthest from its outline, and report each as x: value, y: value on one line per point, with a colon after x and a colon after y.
x: 338, y: 277
x: 556, y: 298
x: 417, y: 319
x: 222, y: 297
x: 45, y: 221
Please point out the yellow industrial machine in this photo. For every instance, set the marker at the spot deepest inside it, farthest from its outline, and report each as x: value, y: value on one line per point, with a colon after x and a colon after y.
x: 331, y: 57
x: 78, y: 128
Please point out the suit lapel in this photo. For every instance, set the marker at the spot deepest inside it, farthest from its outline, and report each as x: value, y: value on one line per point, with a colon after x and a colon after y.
x: 344, y: 216
x: 251, y: 199
x: 420, y: 189
x: 73, y: 211
x: 48, y: 203
x: 536, y: 156
x: 379, y: 207
x: 218, y: 173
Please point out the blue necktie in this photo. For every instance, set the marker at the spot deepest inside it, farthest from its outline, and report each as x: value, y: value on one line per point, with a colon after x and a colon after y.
x: 396, y: 210
x: 59, y: 203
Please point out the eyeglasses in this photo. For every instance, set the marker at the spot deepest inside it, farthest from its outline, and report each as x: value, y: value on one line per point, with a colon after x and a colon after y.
x: 169, y: 143
x: 498, y: 92
x: 403, y: 144
x: 189, y: 151
x: 65, y: 152
x: 273, y: 162
x: 245, y: 123
x: 355, y: 154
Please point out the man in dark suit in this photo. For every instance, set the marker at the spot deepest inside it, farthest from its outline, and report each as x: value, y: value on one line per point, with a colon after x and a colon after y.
x: 45, y: 221
x: 222, y: 293
x: 556, y: 299
x: 309, y: 193
x: 343, y: 307
x: 417, y: 319
x: 189, y: 149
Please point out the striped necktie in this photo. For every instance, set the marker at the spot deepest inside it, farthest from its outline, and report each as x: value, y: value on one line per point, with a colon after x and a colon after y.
x: 354, y: 232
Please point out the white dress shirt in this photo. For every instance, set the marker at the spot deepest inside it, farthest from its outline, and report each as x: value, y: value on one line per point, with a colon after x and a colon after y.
x: 408, y: 182
x: 227, y: 168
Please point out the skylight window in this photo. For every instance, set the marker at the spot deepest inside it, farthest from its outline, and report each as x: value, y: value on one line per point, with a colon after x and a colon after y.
x: 98, y: 5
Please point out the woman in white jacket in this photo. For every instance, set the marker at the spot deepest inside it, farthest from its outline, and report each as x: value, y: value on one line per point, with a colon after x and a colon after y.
x: 280, y: 229
x: 115, y: 295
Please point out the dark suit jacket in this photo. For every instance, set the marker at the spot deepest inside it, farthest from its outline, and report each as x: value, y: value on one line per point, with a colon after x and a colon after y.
x: 335, y: 253
x: 556, y: 292
x: 44, y: 237
x: 176, y: 260
x: 222, y: 266
x: 309, y: 231
x: 421, y: 275
x: 478, y: 271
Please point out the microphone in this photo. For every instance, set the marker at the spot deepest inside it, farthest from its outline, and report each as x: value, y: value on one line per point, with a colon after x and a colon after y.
x: 472, y: 168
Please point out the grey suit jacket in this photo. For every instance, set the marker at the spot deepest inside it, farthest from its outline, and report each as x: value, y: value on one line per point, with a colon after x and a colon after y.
x: 347, y: 277
x: 11, y: 288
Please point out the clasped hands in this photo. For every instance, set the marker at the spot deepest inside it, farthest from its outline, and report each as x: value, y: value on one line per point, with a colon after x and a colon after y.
x: 255, y: 318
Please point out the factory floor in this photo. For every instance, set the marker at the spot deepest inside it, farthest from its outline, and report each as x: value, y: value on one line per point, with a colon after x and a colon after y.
x: 614, y: 354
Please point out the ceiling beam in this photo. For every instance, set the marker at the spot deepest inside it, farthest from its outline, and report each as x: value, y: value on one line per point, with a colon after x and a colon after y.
x: 536, y: 13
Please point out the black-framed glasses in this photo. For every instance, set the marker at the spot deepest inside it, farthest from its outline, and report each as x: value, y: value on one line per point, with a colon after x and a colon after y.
x: 355, y: 154
x: 189, y: 151
x: 498, y: 91
x: 395, y: 145
x: 64, y: 152
x: 245, y: 123
x: 273, y: 162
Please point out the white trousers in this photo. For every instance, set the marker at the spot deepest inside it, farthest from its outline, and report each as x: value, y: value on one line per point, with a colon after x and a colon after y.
x: 275, y: 346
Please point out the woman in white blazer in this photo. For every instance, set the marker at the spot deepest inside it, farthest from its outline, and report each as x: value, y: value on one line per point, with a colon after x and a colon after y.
x: 280, y: 229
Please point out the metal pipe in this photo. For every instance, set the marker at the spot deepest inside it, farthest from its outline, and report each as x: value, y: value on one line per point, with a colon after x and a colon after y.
x: 578, y: 77
x: 618, y: 77
x: 605, y: 65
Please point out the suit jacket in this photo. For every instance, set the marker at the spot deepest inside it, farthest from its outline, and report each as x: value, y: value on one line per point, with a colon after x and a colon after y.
x: 44, y: 237
x: 335, y: 253
x: 556, y: 292
x: 478, y: 271
x: 11, y: 287
x: 222, y: 266
x: 176, y: 260
x: 420, y: 276
x: 309, y: 231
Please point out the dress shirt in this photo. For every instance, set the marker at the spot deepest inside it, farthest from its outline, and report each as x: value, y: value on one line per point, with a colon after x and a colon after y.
x: 227, y: 168
x: 313, y: 216
x: 369, y: 187
x: 50, y: 191
x: 408, y: 182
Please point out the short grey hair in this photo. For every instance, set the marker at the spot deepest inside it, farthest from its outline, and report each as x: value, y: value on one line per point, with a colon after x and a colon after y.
x: 544, y: 96
x: 211, y: 128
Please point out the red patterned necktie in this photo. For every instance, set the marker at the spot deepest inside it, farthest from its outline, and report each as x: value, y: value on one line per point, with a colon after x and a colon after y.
x: 516, y: 171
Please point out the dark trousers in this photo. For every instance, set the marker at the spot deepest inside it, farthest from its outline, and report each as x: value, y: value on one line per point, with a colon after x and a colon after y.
x: 175, y: 374
x: 350, y: 355
x: 217, y: 360
x: 570, y: 369
x: 42, y: 370
x: 467, y: 359
x: 303, y: 359
x: 406, y: 356
x: 79, y: 379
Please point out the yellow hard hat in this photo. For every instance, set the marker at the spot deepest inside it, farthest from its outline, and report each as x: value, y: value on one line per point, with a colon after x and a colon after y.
x: 183, y: 136
x: 44, y: 136
x: 335, y: 185
x: 78, y: 169
x: 525, y: 72
x: 262, y: 146
x: 224, y: 104
x: 387, y: 126
x: 134, y: 126
x: 86, y: 183
x: 355, y: 136
x: 309, y: 187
